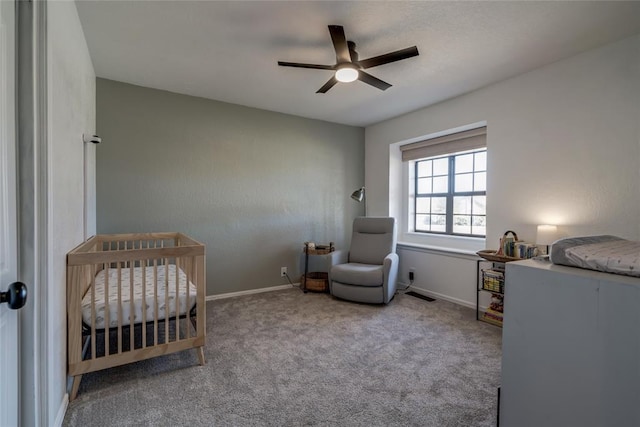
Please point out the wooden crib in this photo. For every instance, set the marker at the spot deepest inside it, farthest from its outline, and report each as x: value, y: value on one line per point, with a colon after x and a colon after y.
x: 132, y: 297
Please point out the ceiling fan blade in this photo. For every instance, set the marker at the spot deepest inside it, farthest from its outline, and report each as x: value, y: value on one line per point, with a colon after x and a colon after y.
x: 373, y: 81
x: 328, y: 85
x: 398, y: 55
x: 299, y: 65
x: 340, y: 43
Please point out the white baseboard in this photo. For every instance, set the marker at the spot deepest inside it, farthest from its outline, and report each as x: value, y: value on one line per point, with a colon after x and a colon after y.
x: 414, y: 288
x: 443, y: 297
x: 62, y: 411
x: 250, y: 292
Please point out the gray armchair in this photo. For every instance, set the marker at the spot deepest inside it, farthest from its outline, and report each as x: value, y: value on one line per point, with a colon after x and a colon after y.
x: 369, y: 271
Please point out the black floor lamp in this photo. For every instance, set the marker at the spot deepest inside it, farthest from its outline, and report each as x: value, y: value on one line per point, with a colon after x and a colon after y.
x: 360, y: 196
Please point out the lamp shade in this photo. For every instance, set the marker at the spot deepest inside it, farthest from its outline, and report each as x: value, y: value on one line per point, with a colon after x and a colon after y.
x: 358, y: 195
x: 547, y: 234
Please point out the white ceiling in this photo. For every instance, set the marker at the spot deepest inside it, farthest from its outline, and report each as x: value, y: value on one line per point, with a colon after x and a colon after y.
x: 228, y: 50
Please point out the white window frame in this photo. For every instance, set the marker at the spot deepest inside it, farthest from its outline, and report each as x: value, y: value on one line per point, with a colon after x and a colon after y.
x: 407, y: 234
x: 451, y: 193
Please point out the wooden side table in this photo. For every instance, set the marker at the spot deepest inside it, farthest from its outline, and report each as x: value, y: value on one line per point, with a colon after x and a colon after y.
x: 315, y: 281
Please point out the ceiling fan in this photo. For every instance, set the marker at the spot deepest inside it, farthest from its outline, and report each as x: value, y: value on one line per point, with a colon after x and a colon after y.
x: 348, y: 67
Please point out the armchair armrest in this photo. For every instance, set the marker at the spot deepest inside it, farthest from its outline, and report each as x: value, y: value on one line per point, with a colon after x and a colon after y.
x: 335, y: 258
x: 390, y: 259
x: 338, y: 257
x: 390, y: 269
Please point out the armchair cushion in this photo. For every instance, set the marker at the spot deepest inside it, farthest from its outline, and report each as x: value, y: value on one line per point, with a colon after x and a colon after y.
x: 361, y: 274
x: 373, y: 238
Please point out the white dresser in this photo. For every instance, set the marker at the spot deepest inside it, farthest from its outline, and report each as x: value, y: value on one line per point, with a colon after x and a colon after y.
x: 571, y: 347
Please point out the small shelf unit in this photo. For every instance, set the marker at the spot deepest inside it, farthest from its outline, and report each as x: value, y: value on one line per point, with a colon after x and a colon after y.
x: 317, y: 281
x: 490, y: 278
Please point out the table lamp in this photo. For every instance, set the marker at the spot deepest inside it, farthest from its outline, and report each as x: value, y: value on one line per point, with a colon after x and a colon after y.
x: 546, y: 235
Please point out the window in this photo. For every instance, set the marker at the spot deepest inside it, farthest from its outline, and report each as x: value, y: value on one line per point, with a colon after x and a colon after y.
x: 448, y: 184
x: 450, y: 194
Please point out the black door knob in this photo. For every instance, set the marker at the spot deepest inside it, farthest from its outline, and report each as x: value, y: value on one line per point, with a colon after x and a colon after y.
x: 16, y: 295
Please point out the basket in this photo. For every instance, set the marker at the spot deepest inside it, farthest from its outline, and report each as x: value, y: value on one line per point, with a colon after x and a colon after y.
x: 491, y: 255
x: 315, y: 282
x: 506, y: 247
x: 493, y: 281
x: 515, y: 235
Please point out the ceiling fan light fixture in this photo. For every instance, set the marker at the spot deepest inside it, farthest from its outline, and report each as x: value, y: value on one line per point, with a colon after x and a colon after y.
x: 346, y: 74
x: 349, y: 67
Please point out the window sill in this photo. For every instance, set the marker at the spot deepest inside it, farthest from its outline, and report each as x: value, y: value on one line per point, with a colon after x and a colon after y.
x: 443, y: 243
x: 438, y: 249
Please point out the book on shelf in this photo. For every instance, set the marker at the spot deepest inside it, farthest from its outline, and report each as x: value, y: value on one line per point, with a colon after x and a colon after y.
x: 492, y: 321
x: 493, y: 280
x: 494, y: 313
x: 497, y: 303
x: 494, y: 272
x: 518, y: 249
x: 493, y: 316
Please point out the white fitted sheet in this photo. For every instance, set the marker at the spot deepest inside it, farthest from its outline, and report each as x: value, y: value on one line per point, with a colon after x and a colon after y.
x: 165, y: 288
x: 606, y: 253
x: 618, y: 257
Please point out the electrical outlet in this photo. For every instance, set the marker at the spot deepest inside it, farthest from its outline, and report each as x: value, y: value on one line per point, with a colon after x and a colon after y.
x: 283, y: 271
x: 412, y: 274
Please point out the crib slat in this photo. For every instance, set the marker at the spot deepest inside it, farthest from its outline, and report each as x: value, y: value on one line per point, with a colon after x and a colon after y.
x: 107, y: 312
x: 192, y: 279
x: 177, y: 298
x: 166, y: 300
x: 119, y: 325
x: 200, y: 304
x: 93, y: 316
x: 131, y: 309
x: 155, y: 301
x: 143, y: 266
x: 187, y: 272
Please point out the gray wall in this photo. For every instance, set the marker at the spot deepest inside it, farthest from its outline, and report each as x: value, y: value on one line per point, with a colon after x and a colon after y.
x: 252, y: 185
x: 71, y: 112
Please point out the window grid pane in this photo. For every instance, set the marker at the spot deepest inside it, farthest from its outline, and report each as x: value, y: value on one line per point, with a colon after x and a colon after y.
x: 480, y: 181
x: 425, y: 185
x: 462, y: 224
x: 441, y: 166
x: 464, y: 163
x: 439, y: 223
x: 423, y: 205
x: 439, y: 205
x: 440, y: 184
x: 458, y: 181
x: 425, y: 168
x: 422, y: 223
x: 464, y: 182
x: 479, y: 206
x: 480, y: 161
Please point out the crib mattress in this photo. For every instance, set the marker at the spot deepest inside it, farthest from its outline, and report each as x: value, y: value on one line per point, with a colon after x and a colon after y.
x: 166, y: 281
x: 609, y: 254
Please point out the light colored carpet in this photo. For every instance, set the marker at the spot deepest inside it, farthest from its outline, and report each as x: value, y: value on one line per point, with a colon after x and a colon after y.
x: 292, y: 359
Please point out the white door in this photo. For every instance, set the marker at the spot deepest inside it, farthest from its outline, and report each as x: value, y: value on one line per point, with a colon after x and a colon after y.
x: 8, y: 247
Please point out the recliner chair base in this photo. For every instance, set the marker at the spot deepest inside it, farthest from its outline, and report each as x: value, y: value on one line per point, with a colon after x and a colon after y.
x: 367, y: 294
